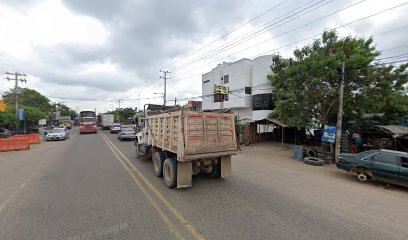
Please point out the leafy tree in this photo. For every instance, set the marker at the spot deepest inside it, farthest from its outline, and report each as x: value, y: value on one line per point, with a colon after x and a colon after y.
x: 32, y: 115
x: 28, y: 97
x: 124, y: 113
x: 7, y: 119
x: 387, y: 93
x: 64, y: 110
x: 305, y: 88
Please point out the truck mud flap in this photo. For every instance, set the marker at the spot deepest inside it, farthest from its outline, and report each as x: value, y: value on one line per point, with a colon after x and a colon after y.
x: 184, y: 174
x: 225, y: 166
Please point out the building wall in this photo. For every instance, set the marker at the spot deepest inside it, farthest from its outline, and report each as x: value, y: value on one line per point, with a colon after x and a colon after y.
x: 244, y: 73
x: 260, y: 82
x: 240, y: 76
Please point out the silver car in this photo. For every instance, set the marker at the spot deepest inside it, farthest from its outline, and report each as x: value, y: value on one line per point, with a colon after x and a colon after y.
x: 57, y: 134
x: 127, y: 133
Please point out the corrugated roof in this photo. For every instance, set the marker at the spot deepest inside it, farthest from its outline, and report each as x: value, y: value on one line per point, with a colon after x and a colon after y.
x: 394, y: 130
x: 277, y: 122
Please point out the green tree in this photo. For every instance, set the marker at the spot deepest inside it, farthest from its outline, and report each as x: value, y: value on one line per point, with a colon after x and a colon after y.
x: 32, y: 115
x: 124, y: 113
x: 305, y: 88
x: 387, y: 93
x: 28, y: 97
x: 7, y: 118
x: 64, y: 110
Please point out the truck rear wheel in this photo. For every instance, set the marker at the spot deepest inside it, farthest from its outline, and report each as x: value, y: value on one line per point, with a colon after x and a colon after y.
x: 216, y: 171
x: 158, y: 160
x: 170, y: 172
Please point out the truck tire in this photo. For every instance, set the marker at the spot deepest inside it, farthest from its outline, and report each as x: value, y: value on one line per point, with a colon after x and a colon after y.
x: 158, y: 160
x: 313, y: 161
x: 216, y: 171
x: 170, y: 172
x: 148, y: 153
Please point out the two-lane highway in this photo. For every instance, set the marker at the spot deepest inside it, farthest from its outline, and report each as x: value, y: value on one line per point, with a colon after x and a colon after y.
x: 93, y: 187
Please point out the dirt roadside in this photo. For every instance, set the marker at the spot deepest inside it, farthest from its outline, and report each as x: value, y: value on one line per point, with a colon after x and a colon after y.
x: 327, y: 187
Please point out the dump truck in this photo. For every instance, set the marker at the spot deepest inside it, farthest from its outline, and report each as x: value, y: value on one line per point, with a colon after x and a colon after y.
x: 183, y: 143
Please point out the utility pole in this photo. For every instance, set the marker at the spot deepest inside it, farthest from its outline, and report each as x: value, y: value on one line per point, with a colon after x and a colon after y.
x: 339, y: 114
x: 165, y: 84
x: 18, y: 77
x: 119, y: 101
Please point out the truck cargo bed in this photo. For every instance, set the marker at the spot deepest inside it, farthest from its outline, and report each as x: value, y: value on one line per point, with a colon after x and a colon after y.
x: 188, y: 133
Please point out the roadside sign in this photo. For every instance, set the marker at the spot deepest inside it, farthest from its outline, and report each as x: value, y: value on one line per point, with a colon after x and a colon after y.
x: 21, y: 114
x: 221, y: 89
x: 42, y: 122
x: 329, y: 134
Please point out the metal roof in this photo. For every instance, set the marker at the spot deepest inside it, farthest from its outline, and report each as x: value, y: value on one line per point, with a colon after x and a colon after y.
x: 277, y: 122
x: 394, y: 130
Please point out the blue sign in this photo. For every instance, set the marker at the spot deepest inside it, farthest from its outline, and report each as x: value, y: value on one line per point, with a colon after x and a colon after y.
x: 21, y: 114
x: 329, y: 134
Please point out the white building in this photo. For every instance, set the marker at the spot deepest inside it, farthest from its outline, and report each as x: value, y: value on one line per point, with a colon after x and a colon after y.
x: 249, y: 88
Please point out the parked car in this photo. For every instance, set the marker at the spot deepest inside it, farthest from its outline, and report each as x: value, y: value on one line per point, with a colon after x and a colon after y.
x: 127, y: 134
x: 57, y: 134
x: 5, y: 133
x: 382, y: 165
x: 115, y: 128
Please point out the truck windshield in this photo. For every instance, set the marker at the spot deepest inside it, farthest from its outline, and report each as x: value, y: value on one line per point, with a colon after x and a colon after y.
x: 87, y: 119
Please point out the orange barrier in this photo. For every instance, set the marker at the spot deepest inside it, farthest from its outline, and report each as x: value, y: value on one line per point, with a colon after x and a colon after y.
x: 32, y: 138
x: 13, y: 144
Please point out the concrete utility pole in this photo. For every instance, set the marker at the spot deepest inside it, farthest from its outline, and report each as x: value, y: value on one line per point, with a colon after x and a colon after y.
x: 165, y: 85
x: 119, y: 101
x: 339, y: 115
x: 18, y: 77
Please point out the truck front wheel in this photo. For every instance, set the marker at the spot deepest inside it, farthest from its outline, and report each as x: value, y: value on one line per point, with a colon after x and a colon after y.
x: 170, y: 172
x: 158, y: 160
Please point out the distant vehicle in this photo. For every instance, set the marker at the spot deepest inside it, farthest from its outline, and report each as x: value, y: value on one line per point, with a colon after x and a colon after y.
x: 127, y: 134
x: 382, y: 165
x: 57, y: 134
x: 66, y: 120
x: 107, y: 120
x: 67, y: 124
x: 115, y: 128
x: 88, y: 122
x: 5, y: 133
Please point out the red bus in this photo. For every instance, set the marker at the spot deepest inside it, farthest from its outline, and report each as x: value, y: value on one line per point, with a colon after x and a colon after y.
x: 88, y: 122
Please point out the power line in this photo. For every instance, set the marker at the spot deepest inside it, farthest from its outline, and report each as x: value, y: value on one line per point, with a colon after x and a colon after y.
x: 229, y: 33
x: 263, y: 29
x: 152, y: 83
x: 344, y: 25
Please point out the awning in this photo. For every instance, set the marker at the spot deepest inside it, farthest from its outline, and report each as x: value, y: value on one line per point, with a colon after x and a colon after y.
x: 394, y: 130
x: 277, y: 122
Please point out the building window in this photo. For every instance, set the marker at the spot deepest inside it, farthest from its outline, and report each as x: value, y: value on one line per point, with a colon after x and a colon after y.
x: 206, y: 81
x: 247, y: 90
x: 226, y: 79
x: 262, y: 102
x: 218, y: 97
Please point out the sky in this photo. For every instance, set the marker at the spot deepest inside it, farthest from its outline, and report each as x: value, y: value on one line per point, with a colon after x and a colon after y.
x: 92, y: 53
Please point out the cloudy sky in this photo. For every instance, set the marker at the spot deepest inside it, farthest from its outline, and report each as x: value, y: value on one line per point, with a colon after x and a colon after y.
x: 103, y: 50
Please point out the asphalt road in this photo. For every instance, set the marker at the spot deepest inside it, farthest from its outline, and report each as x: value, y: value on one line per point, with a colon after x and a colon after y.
x: 93, y: 187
